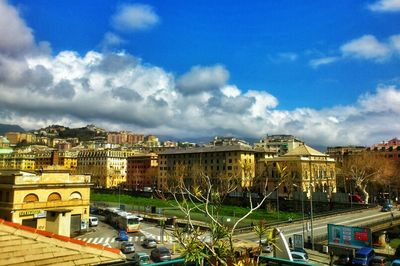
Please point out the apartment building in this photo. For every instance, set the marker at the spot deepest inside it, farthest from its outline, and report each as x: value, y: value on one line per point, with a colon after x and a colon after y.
x: 107, y: 167
x: 142, y: 171
x: 213, y: 161
x: 339, y: 153
x: 16, y: 137
x: 49, y: 200
x: 124, y: 137
x: 308, y: 171
x: 280, y: 144
x: 17, y: 160
x: 389, y: 149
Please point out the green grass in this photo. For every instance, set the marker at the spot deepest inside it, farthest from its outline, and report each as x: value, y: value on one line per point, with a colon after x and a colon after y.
x: 169, y: 209
x: 394, y: 243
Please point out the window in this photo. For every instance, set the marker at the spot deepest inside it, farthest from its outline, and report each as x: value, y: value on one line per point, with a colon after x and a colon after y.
x: 54, y: 197
x: 31, y: 198
x: 75, y: 196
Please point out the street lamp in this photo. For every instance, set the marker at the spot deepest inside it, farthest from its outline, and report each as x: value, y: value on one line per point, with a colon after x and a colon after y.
x: 277, y: 201
x: 311, y: 217
x: 302, y: 206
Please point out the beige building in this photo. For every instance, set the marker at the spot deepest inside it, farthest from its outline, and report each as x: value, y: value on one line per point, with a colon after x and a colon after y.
x: 279, y: 144
x: 308, y: 170
x: 213, y: 161
x: 50, y: 200
x: 107, y: 167
x: 17, y: 160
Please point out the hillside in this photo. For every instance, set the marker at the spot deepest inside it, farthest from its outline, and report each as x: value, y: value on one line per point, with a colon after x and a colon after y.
x: 4, y: 128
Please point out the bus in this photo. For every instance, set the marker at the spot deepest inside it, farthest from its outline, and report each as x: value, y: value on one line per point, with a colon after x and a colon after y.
x: 122, y: 220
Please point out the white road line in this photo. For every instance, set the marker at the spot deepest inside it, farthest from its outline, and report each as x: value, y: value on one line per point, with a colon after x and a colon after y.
x: 112, y: 240
x: 95, y: 240
x: 107, y: 240
x: 89, y: 240
x: 85, y: 239
x: 101, y: 240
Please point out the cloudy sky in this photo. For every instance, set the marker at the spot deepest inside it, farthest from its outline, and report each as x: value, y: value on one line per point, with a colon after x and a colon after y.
x: 327, y: 72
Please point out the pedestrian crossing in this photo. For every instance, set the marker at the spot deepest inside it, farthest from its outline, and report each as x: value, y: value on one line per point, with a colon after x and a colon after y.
x: 107, y: 241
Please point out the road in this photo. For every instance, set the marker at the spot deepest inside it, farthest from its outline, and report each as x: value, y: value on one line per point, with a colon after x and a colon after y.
x: 106, y: 235
x: 355, y: 218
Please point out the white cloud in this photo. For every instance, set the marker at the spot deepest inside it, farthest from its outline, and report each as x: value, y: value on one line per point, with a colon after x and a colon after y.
x: 230, y: 91
x: 395, y: 43
x: 323, y: 61
x: 385, y: 6
x: 111, y: 40
x: 134, y: 17
x: 366, y: 47
x: 117, y: 91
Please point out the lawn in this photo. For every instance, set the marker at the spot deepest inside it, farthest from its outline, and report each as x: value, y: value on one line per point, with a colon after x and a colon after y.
x: 228, y: 214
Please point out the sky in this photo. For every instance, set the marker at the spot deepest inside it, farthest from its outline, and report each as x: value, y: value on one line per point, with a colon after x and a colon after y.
x: 327, y: 72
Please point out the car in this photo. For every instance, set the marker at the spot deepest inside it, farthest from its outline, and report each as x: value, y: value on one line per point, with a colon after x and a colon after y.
x: 363, y: 256
x: 160, y: 254
x: 379, y: 261
x: 344, y: 259
x: 123, y: 236
x: 93, y: 221
x: 265, y: 246
x: 127, y: 247
x: 395, y: 263
x: 149, y: 242
x: 386, y: 209
x: 141, y: 258
x: 299, y: 256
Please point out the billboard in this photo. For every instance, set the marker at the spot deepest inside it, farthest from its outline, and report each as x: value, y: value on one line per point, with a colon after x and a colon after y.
x: 349, y: 236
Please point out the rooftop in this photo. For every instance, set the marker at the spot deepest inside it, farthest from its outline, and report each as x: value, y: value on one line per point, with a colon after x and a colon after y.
x: 305, y: 150
x: 22, y: 245
x: 237, y: 147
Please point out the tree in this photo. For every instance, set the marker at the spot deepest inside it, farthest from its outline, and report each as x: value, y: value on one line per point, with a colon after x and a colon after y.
x: 205, y: 194
x: 365, y: 168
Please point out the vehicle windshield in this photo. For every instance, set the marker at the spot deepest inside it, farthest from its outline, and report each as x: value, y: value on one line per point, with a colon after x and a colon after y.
x: 361, y: 256
x: 132, y: 221
x: 128, y: 244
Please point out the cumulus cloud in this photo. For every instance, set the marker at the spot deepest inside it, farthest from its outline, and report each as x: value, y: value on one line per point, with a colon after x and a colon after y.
x: 366, y: 47
x: 134, y: 17
x: 111, y: 40
x: 203, y: 78
x: 385, y: 6
x: 117, y: 91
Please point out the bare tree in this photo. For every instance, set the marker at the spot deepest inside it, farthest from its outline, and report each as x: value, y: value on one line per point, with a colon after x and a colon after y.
x: 365, y: 168
x: 205, y: 195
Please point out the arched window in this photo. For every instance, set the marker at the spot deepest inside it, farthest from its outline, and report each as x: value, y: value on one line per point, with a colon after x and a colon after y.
x: 75, y: 196
x: 54, y: 196
x: 31, y: 198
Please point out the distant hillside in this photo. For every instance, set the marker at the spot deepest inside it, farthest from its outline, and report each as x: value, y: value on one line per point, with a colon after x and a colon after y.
x: 4, y: 128
x: 83, y: 133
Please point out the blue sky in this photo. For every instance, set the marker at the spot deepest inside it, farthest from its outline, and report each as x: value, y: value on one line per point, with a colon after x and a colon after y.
x: 321, y: 70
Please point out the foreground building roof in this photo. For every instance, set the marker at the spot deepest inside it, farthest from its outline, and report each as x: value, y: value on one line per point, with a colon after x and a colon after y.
x: 22, y: 245
x: 305, y: 150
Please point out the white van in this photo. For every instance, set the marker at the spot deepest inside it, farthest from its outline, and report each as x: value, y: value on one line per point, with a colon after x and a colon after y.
x: 93, y: 221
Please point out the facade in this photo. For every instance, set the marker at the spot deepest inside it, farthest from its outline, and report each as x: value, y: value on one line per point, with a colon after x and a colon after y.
x: 51, y: 200
x: 224, y: 141
x: 280, y: 144
x: 107, y: 167
x: 142, y: 171
x: 308, y: 171
x: 339, y: 153
x: 124, y: 137
x: 215, y: 162
x: 17, y: 160
x: 389, y: 149
x: 16, y: 137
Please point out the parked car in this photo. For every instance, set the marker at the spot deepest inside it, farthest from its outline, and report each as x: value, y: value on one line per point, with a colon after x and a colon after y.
x: 363, y: 256
x: 395, y: 263
x: 127, y: 247
x: 93, y: 221
x: 123, y: 236
x: 141, y: 258
x: 299, y: 256
x: 160, y: 254
x: 380, y: 261
x: 344, y: 259
x: 149, y: 242
x: 386, y: 208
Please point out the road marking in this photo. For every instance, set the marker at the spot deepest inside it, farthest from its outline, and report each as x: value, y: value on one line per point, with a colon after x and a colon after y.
x: 89, y: 240
x: 101, y: 240
x: 112, y: 240
x: 85, y: 239
x: 95, y: 240
x: 130, y: 238
x: 107, y: 240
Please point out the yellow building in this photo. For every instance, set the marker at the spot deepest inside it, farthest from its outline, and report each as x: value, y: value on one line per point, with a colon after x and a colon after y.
x: 107, y: 167
x: 17, y: 160
x: 68, y: 160
x: 307, y: 170
x: 213, y: 161
x: 50, y: 200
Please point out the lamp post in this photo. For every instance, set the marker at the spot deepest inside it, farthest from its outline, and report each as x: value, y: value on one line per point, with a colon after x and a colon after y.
x: 311, y: 218
x: 302, y: 207
x: 277, y: 201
